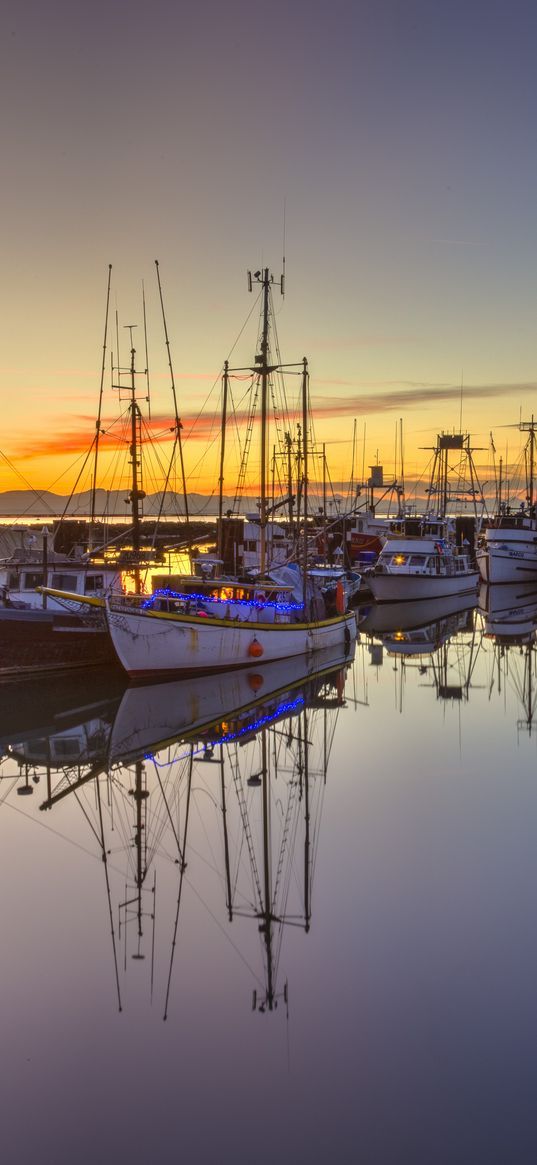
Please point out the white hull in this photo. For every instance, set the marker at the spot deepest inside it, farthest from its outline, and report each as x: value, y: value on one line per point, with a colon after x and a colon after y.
x: 508, y: 562
x: 402, y: 588
x: 153, y: 716
x: 150, y: 643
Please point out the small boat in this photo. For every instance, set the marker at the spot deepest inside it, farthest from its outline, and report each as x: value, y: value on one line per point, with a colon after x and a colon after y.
x: 34, y: 564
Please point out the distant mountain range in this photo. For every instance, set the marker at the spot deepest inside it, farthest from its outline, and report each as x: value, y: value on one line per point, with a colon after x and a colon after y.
x: 114, y: 504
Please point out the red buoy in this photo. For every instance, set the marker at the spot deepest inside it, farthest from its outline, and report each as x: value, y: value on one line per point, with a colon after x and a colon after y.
x: 255, y: 649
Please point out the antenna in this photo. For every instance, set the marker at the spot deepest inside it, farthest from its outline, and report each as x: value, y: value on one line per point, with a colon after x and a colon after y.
x: 148, y: 397
x: 460, y: 417
x: 282, y: 281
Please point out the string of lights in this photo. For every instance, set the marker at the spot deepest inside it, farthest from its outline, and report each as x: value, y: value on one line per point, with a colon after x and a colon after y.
x: 257, y: 604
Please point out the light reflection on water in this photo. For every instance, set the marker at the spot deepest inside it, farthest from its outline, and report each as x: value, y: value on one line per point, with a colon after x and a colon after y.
x: 386, y: 812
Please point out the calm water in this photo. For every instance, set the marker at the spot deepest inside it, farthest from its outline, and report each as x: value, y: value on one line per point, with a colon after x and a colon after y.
x: 331, y: 896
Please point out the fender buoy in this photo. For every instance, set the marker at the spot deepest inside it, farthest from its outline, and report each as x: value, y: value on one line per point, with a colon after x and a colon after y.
x: 255, y: 649
x: 255, y: 681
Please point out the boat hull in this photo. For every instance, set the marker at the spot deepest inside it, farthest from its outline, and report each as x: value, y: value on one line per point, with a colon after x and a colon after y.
x: 402, y: 588
x: 35, y: 642
x: 150, y: 644
x: 507, y: 564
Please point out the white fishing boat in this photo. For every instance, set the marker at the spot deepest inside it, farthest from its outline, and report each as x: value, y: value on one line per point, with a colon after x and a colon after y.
x: 507, y: 551
x: 430, y: 557
x: 424, y: 567
x: 223, y: 631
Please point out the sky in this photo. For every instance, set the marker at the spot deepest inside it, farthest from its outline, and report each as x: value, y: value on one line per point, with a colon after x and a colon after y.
x: 387, y: 146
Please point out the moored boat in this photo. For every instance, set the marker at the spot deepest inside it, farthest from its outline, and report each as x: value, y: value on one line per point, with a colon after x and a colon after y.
x: 431, y: 556
x: 507, y: 552
x: 423, y: 567
x: 190, y: 638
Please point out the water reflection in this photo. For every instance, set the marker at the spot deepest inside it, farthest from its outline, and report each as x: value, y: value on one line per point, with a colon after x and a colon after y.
x: 436, y: 640
x: 509, y: 615
x: 182, y: 839
x: 250, y: 748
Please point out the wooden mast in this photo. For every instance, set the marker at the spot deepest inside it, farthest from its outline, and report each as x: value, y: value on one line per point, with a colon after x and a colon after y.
x: 136, y: 492
x: 264, y: 395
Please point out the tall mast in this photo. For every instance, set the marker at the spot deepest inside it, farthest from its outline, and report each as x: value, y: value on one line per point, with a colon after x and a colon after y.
x: 225, y: 384
x: 136, y: 492
x: 135, y: 452
x: 178, y: 423
x: 99, y: 410
x: 305, y: 479
x: 264, y: 396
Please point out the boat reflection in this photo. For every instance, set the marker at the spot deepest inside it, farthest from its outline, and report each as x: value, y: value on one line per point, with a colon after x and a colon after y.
x: 60, y: 722
x: 509, y: 610
x: 244, y: 755
x: 436, y: 638
x: 509, y: 615
x: 451, y: 611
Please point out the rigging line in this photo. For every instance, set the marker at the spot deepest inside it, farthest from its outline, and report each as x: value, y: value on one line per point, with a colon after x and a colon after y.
x: 180, y: 890
x: 165, y: 799
x: 9, y: 789
x: 35, y: 493
x: 101, y: 389
x: 178, y: 424
x: 108, y: 894
x: 252, y: 971
x: 82, y: 468
x: 50, y: 829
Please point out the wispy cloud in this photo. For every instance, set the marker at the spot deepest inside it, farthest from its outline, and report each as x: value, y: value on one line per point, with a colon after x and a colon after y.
x: 388, y: 399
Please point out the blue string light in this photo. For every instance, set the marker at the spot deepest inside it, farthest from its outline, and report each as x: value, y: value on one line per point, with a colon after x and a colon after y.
x: 257, y: 604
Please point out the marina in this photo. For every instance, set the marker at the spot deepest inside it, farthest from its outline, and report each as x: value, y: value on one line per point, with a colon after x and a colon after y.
x: 268, y: 584
x: 247, y: 872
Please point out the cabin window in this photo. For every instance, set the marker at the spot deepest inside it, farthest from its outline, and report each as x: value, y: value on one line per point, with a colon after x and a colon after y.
x: 251, y: 545
x: 14, y: 581
x: 400, y: 560
x: 94, y: 582
x: 33, y: 579
x: 418, y: 559
x: 67, y: 746
x: 64, y: 582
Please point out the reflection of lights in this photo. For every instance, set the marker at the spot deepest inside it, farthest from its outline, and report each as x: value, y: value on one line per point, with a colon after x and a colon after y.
x: 399, y: 559
x: 399, y: 636
x: 228, y: 736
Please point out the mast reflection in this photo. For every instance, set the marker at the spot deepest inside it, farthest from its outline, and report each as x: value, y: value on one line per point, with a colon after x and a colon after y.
x: 132, y: 762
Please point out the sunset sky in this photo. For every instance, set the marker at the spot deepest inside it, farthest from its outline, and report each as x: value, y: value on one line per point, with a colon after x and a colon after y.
x: 395, y: 138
